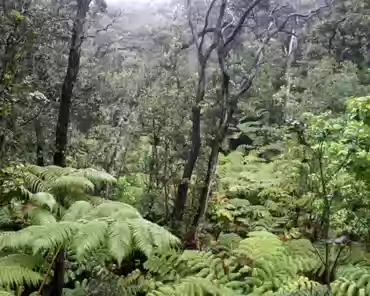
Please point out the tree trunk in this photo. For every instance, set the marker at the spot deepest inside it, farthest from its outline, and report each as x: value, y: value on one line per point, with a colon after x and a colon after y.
x: 229, y: 106
x: 69, y: 81
x: 203, y: 201
x: 183, y: 187
x: 59, y: 270
x: 63, y: 121
x: 39, y: 143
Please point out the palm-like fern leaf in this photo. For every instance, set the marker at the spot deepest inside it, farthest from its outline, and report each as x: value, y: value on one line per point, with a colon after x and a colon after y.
x: 97, y: 177
x: 67, y: 183
x: 39, y: 216
x: 77, y: 210
x: 23, y: 260
x: 92, y: 228
x: 16, y: 275
x: 54, y: 235
x: 120, y: 241
x: 33, y: 183
x: 114, y: 210
x: 61, y: 181
x: 43, y: 198
x: 89, y: 237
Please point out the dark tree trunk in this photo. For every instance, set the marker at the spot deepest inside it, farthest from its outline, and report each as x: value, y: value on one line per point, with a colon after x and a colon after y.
x: 39, y: 143
x: 203, y: 55
x: 183, y: 187
x: 63, y: 121
x: 69, y: 82
x: 206, y: 189
x: 59, y: 270
x: 229, y: 106
x: 193, y: 154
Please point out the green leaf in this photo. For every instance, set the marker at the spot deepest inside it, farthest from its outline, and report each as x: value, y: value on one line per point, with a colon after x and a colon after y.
x: 43, y: 198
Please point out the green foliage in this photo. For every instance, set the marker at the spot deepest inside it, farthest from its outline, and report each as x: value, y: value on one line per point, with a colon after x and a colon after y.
x: 18, y: 270
x: 261, y: 264
x: 278, y: 203
x: 85, y: 228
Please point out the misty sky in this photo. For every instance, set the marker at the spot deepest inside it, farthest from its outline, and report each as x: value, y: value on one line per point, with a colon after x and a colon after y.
x: 123, y: 1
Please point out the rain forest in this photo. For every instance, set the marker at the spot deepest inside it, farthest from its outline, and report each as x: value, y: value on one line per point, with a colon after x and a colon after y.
x: 184, y: 147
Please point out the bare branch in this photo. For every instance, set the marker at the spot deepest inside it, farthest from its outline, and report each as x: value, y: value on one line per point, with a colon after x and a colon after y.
x: 192, y: 28
x: 217, y: 33
x: 247, y: 81
x: 106, y: 28
x: 241, y: 21
x: 206, y: 21
x: 192, y: 41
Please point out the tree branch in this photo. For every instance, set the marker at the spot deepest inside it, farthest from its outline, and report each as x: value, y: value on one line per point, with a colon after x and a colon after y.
x: 241, y: 21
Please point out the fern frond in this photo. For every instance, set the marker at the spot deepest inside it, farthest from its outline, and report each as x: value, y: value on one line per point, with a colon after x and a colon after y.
x: 142, y: 236
x: 89, y: 237
x: 229, y: 240
x: 97, y: 177
x: 71, y: 183
x: 114, y: 210
x: 302, y: 286
x: 59, y: 171
x: 25, y: 193
x: 120, y: 241
x: 50, y: 236
x: 77, y: 210
x: 352, y: 278
x: 40, y: 216
x: 43, y: 198
x: 33, y: 183
x: 192, y: 286
x: 23, y: 260
x: 5, y: 216
x: 13, y: 275
x: 37, y: 171
x: 261, y: 244
x: 161, y: 238
x: 17, y: 239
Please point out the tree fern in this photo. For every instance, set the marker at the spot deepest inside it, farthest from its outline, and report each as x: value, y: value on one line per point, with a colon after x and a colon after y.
x: 43, y: 198
x: 40, y: 216
x: 91, y: 230
x: 62, y: 182
x: 89, y: 237
x: 192, y: 286
x: 120, y: 240
x: 352, y: 279
x: 77, y: 210
x: 16, y: 275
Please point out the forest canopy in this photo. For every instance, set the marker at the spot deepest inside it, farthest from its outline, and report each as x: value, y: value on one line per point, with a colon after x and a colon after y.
x: 184, y: 147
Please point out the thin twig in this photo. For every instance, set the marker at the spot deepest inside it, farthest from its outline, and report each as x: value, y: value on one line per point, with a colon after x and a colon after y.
x: 48, y: 271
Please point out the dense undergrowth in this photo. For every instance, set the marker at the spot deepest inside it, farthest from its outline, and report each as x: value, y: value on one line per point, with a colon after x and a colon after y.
x: 266, y: 232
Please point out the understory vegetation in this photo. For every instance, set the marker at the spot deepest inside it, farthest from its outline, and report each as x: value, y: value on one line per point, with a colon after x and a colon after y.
x: 184, y: 148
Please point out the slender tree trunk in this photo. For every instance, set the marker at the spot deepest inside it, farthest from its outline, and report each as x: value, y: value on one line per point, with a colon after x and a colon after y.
x: 228, y: 109
x: 59, y: 270
x: 183, y: 187
x: 204, y: 197
x: 290, y: 58
x: 69, y: 82
x: 63, y: 121
x: 110, y: 166
x: 39, y: 143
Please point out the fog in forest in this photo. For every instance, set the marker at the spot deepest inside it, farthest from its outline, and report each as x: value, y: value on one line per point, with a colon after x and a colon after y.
x: 184, y: 147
